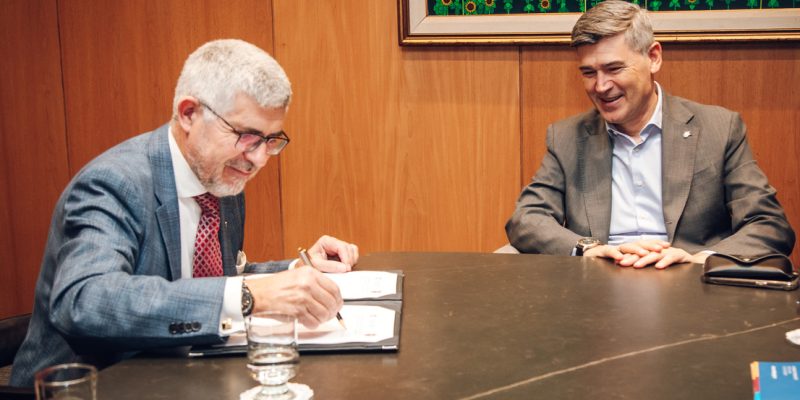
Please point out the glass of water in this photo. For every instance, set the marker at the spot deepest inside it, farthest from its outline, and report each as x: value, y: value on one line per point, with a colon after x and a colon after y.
x: 272, y: 353
x: 66, y: 382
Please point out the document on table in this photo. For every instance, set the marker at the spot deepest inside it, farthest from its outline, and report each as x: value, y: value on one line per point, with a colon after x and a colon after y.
x: 372, y: 314
x: 374, y: 285
x: 367, y: 324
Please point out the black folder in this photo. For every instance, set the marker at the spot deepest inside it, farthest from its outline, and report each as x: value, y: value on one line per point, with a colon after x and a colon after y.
x: 392, y: 302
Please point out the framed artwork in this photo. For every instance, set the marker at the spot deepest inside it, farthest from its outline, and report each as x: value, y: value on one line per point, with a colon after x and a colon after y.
x: 430, y: 22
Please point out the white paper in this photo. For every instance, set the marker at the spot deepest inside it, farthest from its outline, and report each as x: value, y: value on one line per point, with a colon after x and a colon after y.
x: 365, y: 284
x: 792, y: 336
x: 365, y: 324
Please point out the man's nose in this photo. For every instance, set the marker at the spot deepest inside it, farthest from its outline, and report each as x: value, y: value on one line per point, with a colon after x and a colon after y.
x: 258, y: 156
x: 602, y: 82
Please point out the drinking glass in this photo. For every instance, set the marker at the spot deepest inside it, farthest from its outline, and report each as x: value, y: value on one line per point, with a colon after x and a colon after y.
x: 73, y: 381
x: 272, y: 353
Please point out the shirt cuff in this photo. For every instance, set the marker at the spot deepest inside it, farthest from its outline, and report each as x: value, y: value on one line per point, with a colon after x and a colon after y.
x: 293, y: 264
x: 231, y: 319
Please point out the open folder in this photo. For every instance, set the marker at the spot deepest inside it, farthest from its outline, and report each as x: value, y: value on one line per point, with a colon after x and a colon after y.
x: 373, y: 304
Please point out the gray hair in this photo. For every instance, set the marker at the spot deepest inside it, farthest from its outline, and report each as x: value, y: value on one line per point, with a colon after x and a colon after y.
x: 219, y: 70
x: 610, y: 18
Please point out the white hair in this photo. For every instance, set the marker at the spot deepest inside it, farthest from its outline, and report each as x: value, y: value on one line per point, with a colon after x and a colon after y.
x: 221, y: 69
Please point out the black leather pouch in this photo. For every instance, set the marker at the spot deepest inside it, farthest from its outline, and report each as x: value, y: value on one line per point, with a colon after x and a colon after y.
x: 772, y: 271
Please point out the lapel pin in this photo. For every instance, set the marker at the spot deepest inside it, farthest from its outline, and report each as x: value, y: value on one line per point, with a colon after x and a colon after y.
x: 687, y: 134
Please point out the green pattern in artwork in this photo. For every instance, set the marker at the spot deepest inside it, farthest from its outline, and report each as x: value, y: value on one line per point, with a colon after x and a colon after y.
x: 484, y: 7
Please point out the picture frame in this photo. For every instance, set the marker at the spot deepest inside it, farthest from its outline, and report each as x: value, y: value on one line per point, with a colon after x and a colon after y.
x: 416, y: 27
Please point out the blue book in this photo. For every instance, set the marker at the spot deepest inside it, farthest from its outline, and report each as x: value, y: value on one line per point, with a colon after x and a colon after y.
x: 775, y: 380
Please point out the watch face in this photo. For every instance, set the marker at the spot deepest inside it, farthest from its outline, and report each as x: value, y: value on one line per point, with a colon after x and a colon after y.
x: 585, y: 244
x: 247, y: 301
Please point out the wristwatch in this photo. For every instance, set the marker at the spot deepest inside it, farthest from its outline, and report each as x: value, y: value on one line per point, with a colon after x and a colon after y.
x: 247, y: 300
x: 585, y: 244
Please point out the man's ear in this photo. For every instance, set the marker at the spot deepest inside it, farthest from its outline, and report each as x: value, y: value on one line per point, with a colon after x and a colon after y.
x: 654, y: 54
x: 187, y: 111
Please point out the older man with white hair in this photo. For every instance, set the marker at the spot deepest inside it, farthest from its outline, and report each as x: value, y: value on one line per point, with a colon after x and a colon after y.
x: 143, y: 244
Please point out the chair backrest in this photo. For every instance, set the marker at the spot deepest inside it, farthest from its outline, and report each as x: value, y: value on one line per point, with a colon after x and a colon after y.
x: 507, y: 249
x: 12, y: 333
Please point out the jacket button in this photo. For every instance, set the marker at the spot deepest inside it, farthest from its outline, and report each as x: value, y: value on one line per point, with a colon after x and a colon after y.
x: 196, y: 326
x: 173, y: 328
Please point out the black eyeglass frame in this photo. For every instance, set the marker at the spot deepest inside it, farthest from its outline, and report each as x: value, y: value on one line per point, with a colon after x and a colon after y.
x: 281, y: 136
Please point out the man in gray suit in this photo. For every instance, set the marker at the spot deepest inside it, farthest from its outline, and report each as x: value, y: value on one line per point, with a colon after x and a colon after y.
x: 645, y: 178
x: 138, y: 226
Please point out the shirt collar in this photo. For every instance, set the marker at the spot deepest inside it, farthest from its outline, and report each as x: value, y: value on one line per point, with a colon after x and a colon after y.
x: 186, y: 182
x: 655, y: 120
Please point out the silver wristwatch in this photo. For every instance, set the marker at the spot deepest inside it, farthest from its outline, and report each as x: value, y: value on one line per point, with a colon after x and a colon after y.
x: 247, y: 300
x: 585, y: 244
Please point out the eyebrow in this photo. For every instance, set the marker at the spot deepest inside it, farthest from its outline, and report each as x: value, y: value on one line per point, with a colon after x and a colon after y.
x: 246, y: 129
x: 617, y: 63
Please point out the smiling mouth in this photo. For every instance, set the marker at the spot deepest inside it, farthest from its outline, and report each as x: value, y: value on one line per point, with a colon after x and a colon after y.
x: 239, y: 171
x: 609, y: 100
x: 242, y: 170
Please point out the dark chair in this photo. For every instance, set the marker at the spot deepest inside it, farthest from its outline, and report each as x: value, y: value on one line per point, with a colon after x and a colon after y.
x: 12, y: 333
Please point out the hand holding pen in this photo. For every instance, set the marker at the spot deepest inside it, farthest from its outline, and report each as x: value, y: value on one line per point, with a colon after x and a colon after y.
x: 333, y: 255
x: 307, y: 261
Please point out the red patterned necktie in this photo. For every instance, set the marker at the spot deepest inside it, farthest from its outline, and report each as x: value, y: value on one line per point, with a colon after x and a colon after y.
x: 207, y: 253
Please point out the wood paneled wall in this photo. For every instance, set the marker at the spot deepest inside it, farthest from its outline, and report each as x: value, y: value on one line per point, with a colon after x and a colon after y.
x: 394, y: 148
x: 34, y: 152
x: 419, y: 149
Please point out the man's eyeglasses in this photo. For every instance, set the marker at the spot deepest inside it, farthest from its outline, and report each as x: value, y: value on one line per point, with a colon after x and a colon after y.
x: 251, y: 140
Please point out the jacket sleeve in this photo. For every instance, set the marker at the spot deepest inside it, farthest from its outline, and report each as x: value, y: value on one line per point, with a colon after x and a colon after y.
x: 758, y: 222
x: 110, y: 285
x: 267, y: 267
x: 537, y: 225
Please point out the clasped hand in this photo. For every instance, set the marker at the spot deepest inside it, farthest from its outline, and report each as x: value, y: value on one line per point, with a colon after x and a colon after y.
x: 642, y: 253
x: 305, y: 292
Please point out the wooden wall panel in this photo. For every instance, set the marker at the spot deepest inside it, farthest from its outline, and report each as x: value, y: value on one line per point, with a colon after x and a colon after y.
x: 394, y: 148
x: 121, y: 62
x: 421, y: 149
x: 551, y: 90
x: 34, y: 152
x: 758, y: 80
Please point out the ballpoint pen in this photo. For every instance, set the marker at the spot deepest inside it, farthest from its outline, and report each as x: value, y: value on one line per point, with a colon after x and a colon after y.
x: 307, y: 261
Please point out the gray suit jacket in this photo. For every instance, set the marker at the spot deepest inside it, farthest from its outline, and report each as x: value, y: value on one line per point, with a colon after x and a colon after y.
x: 110, y: 282
x: 715, y: 197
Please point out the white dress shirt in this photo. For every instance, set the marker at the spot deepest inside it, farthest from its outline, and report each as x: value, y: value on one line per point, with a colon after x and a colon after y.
x: 188, y: 185
x: 637, y: 211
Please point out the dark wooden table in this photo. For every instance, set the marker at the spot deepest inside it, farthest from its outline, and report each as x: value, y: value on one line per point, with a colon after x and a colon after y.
x: 502, y: 326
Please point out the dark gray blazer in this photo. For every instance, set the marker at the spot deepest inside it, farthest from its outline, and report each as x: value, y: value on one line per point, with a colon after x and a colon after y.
x: 715, y: 197
x: 109, y: 281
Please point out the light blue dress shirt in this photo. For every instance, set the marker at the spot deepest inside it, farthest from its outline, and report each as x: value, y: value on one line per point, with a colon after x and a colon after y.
x: 636, y: 206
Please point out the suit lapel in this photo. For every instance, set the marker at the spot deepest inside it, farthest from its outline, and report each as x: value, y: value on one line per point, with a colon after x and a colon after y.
x: 679, y: 144
x: 594, y: 157
x: 230, y: 233
x: 167, y: 197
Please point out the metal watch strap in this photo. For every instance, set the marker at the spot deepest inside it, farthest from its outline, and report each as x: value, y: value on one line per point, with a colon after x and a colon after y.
x: 247, y: 300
